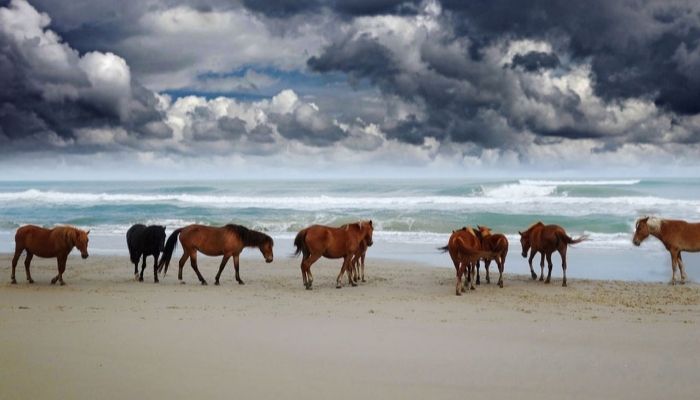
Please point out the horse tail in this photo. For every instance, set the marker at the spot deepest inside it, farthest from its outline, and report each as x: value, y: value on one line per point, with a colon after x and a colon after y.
x: 300, y: 243
x: 568, y: 240
x: 444, y: 249
x: 168, y: 251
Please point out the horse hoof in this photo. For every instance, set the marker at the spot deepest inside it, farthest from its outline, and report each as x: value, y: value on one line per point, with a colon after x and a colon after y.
x: 546, y: 282
x: 156, y: 281
x: 363, y: 280
x: 31, y: 281
x: 472, y: 288
x: 14, y: 281
x: 563, y: 284
x: 338, y: 286
x: 534, y: 276
x: 140, y: 279
x: 53, y: 281
x: 216, y: 283
x: 309, y: 288
x: 204, y: 283
x: 182, y: 282
x: 241, y: 283
x: 63, y: 283
x: 458, y: 293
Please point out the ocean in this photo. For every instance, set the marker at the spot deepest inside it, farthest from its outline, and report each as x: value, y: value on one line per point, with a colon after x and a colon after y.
x: 411, y: 217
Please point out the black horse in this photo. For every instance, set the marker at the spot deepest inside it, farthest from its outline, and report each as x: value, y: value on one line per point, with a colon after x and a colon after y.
x: 145, y: 241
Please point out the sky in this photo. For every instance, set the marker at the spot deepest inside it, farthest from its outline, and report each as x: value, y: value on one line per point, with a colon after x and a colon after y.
x: 227, y: 89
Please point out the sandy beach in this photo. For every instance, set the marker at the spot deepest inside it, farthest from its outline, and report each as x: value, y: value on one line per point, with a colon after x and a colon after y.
x: 403, y: 334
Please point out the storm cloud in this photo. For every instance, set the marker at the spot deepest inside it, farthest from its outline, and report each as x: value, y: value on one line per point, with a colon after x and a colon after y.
x: 449, y: 80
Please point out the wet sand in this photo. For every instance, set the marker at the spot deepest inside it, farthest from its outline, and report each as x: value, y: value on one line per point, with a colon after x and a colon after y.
x: 402, y: 334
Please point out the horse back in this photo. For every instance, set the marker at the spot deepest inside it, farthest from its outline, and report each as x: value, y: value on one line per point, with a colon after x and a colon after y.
x: 329, y: 241
x: 681, y: 234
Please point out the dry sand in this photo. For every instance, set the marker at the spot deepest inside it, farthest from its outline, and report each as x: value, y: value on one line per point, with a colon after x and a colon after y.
x: 403, y: 334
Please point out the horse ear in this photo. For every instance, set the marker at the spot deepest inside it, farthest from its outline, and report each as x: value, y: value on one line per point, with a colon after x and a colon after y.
x: 370, y: 222
x: 520, y: 233
x: 88, y: 232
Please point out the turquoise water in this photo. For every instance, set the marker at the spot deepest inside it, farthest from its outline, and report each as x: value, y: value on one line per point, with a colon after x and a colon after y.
x: 411, y: 216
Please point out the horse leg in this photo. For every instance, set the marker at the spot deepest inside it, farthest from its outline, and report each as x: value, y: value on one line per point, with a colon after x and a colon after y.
x: 155, y: 267
x: 470, y: 275
x: 500, y: 263
x: 549, y: 266
x: 362, y: 261
x: 529, y: 260
x: 181, y: 264
x: 193, y: 264
x: 478, y: 275
x: 143, y: 267
x: 28, y: 261
x: 674, y: 264
x: 486, y: 267
x: 541, y: 266
x: 562, y: 253
x: 459, y: 288
x: 61, y: 259
x: 236, y: 266
x: 306, y: 270
x: 221, y: 269
x: 680, y: 266
x: 18, y: 252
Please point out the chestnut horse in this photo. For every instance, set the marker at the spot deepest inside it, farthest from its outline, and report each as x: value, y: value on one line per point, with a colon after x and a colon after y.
x: 493, y: 242
x: 318, y: 241
x: 228, y: 241
x: 48, y: 243
x: 546, y: 239
x: 464, y: 247
x: 676, y: 235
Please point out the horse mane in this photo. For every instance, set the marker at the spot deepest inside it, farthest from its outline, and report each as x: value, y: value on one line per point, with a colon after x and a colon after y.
x: 654, y: 224
x: 69, y: 234
x: 538, y: 223
x: 249, y: 237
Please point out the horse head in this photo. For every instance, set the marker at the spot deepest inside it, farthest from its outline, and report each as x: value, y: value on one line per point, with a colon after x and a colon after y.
x: 641, y: 231
x: 367, y: 230
x: 80, y: 240
x: 484, y: 231
x: 266, y: 248
x: 525, y: 242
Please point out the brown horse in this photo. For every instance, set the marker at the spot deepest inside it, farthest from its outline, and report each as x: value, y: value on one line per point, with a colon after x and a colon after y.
x: 358, y: 262
x: 676, y: 236
x: 464, y: 247
x: 228, y: 241
x: 48, y: 243
x: 546, y: 239
x: 493, y: 242
x: 318, y: 241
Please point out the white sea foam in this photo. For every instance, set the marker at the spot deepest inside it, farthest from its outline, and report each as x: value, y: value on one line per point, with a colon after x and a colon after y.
x: 539, y: 203
x: 618, y: 182
x: 518, y: 190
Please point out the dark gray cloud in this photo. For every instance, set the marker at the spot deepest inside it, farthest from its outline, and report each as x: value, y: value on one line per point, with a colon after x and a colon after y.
x: 496, y: 74
x: 535, y: 61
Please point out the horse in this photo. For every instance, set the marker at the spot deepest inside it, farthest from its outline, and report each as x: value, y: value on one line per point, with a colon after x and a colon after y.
x: 318, y: 241
x: 48, y: 243
x: 358, y: 262
x: 462, y: 246
x: 227, y: 241
x: 145, y: 241
x: 494, y: 242
x: 676, y: 235
x: 546, y: 239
